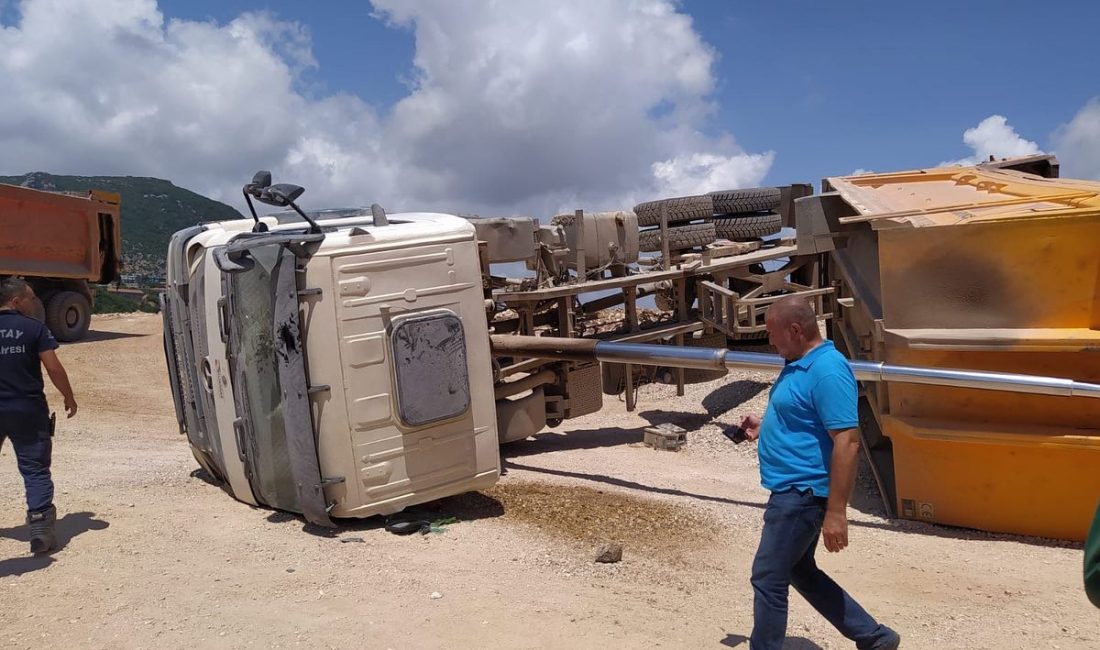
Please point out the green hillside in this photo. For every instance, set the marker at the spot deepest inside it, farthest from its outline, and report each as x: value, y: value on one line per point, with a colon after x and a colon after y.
x: 152, y: 209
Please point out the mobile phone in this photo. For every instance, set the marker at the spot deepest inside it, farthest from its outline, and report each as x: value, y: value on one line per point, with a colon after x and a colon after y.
x: 736, y: 434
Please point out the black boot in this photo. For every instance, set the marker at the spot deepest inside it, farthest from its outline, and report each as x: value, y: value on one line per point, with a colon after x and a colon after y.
x: 42, y: 535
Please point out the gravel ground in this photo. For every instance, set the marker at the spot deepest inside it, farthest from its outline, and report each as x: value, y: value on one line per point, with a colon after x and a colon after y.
x: 154, y: 556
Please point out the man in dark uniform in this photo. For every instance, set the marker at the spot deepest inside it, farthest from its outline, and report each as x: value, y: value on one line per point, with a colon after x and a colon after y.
x: 25, y: 346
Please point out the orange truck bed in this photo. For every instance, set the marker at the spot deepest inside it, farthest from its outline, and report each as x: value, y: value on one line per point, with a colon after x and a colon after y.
x: 55, y: 235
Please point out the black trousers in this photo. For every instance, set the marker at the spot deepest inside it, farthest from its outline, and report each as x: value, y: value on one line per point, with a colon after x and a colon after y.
x: 30, y: 436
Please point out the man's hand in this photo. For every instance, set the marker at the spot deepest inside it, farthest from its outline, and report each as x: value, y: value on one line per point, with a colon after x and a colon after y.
x: 751, y: 425
x: 59, y: 378
x: 834, y: 532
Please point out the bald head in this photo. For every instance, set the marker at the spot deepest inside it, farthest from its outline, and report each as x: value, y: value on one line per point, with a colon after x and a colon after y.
x: 794, y: 310
x: 792, y: 327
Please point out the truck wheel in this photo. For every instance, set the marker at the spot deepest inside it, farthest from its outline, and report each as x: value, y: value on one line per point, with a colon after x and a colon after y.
x: 753, y: 199
x: 68, y: 315
x: 679, y: 238
x: 681, y: 208
x: 749, y: 226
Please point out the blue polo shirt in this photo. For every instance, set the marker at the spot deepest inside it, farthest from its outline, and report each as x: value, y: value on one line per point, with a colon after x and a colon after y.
x: 812, y: 396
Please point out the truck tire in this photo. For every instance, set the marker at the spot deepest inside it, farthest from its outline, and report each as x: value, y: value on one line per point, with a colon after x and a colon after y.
x: 679, y: 238
x: 755, y: 199
x: 749, y: 226
x: 68, y: 315
x: 681, y: 208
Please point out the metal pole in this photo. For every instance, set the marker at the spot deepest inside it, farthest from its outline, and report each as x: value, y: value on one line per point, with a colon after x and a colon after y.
x: 718, y: 358
x: 673, y: 356
x: 510, y: 388
x: 544, y: 347
x: 1011, y: 382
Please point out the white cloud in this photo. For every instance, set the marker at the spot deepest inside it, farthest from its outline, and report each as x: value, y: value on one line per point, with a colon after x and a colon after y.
x: 548, y: 105
x: 135, y: 94
x: 514, y: 107
x: 699, y: 173
x: 1078, y: 143
x: 994, y: 136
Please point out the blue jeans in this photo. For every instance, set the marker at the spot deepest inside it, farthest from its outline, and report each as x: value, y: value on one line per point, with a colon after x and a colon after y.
x: 792, y: 526
x: 30, y: 437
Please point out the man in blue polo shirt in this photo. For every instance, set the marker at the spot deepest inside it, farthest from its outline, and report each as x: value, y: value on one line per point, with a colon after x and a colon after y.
x: 808, y: 449
x: 25, y: 346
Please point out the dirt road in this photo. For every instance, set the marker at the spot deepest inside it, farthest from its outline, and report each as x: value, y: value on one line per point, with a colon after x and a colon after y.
x: 154, y: 556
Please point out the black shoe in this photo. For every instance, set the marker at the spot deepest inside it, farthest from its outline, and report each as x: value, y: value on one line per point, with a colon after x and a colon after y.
x: 890, y: 641
x: 42, y: 535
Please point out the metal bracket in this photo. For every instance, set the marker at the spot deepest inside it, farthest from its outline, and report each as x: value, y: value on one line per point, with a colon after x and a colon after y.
x: 327, y: 482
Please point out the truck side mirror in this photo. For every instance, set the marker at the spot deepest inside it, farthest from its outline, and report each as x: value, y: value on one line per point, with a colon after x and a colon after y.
x: 280, y: 195
x: 261, y: 180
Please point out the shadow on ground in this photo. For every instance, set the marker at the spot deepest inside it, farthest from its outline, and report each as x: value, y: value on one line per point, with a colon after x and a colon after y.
x: 68, y: 526
x: 551, y: 440
x: 718, y: 402
x: 204, y: 476
x: 792, y: 642
x: 94, y: 336
x: 729, y: 396
x: 470, y: 506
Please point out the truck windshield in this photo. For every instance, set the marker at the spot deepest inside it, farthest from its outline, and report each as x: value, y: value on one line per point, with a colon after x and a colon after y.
x: 256, y: 369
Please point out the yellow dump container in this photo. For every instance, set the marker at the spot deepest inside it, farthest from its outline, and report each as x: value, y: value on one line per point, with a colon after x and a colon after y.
x: 982, y: 269
x: 1018, y: 479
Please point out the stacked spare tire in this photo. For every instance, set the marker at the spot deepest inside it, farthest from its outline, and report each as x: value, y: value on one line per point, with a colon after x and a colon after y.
x: 682, y: 234
x: 695, y: 221
x: 744, y: 215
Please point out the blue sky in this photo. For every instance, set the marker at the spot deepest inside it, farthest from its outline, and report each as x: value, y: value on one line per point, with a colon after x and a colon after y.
x: 892, y: 85
x: 533, y: 107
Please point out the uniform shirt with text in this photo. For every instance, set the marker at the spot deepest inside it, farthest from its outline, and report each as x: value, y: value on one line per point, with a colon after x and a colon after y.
x: 22, y: 339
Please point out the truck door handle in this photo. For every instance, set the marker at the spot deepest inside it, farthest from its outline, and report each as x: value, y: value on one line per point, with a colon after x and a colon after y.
x: 223, y: 319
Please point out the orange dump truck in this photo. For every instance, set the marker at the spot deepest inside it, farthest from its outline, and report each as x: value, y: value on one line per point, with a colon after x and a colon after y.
x: 59, y: 243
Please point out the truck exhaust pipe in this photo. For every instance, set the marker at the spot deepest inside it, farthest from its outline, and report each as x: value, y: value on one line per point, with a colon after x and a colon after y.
x: 567, y: 349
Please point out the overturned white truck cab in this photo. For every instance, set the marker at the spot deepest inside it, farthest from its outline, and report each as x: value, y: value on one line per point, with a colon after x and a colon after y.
x: 336, y: 363
x: 343, y: 363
